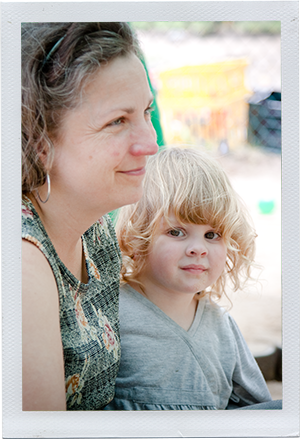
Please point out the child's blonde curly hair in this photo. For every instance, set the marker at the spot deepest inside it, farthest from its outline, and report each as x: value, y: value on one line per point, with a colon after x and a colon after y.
x: 193, y: 186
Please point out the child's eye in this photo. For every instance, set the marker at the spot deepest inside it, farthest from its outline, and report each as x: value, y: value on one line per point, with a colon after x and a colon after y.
x: 176, y: 232
x: 212, y: 235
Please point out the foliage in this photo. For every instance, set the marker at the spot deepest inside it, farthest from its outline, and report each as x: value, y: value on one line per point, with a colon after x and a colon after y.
x: 204, y: 28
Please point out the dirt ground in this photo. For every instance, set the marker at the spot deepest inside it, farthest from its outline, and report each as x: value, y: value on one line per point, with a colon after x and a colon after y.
x: 256, y: 176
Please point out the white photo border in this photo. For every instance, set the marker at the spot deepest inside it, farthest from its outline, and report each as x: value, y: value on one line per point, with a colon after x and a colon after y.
x: 264, y: 423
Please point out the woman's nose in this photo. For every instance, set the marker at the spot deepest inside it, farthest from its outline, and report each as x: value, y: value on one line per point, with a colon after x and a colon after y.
x: 145, y: 140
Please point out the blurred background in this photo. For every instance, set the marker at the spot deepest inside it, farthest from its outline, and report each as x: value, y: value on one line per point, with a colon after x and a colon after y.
x: 217, y: 86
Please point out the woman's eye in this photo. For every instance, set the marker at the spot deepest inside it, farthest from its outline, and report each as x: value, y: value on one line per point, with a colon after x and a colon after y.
x: 212, y: 235
x: 149, y: 110
x: 176, y: 233
x: 116, y: 122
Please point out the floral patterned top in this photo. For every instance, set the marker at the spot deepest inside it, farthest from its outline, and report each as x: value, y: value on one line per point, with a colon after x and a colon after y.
x: 89, y: 319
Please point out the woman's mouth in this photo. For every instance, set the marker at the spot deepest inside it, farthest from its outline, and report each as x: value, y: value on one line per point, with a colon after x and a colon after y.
x: 137, y: 171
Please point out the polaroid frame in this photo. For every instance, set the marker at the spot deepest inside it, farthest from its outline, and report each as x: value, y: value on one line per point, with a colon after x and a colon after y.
x: 18, y: 424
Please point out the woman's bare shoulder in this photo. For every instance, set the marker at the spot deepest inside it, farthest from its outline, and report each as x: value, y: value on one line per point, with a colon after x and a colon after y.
x: 43, y: 367
x: 33, y: 260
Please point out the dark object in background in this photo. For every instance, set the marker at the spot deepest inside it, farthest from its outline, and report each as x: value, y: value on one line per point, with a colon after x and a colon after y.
x: 271, y: 364
x: 264, y: 127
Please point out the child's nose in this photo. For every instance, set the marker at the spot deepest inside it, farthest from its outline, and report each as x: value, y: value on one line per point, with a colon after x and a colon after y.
x: 197, y: 249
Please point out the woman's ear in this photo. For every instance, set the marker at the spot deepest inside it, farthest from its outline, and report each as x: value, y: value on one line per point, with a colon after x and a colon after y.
x: 45, y: 152
x: 42, y: 152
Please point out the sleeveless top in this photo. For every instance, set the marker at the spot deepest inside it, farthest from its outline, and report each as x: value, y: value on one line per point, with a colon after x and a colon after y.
x: 89, y: 319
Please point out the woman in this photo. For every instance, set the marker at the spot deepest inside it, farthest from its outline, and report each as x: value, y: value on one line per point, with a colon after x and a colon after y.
x: 86, y: 132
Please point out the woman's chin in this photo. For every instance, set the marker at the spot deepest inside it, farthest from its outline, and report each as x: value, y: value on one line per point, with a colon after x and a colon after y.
x: 133, y: 197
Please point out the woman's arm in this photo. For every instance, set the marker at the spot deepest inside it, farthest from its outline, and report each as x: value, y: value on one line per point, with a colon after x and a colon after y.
x: 42, y: 356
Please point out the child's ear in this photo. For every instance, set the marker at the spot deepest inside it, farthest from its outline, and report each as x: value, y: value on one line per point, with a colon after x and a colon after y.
x: 135, y: 256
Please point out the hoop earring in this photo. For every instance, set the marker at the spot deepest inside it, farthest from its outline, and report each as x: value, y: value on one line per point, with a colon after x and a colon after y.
x: 48, y: 193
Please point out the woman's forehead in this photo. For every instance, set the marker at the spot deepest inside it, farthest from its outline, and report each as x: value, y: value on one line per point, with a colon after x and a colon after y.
x: 118, y: 88
x: 117, y: 76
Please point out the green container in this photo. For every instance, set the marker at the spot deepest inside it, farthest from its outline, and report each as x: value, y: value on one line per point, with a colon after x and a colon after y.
x: 266, y: 206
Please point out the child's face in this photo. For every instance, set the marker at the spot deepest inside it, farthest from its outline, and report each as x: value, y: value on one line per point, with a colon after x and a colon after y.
x: 185, y: 258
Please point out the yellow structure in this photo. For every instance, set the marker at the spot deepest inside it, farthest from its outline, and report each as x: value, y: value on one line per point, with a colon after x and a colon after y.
x: 205, y: 104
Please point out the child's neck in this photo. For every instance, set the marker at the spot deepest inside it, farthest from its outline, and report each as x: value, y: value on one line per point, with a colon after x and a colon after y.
x: 179, y: 307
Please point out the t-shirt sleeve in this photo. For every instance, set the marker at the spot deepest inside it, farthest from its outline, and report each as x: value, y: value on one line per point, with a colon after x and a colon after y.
x: 249, y: 386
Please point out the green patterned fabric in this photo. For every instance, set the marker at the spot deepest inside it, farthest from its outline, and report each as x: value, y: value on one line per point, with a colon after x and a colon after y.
x: 89, y: 317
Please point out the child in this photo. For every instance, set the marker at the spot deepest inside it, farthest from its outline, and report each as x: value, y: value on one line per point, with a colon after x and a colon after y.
x: 187, y: 235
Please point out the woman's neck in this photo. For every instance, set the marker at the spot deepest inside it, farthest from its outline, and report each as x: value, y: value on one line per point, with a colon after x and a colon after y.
x: 65, y: 231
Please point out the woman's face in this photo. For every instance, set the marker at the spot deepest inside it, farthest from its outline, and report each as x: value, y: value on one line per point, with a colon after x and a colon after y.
x: 103, y: 144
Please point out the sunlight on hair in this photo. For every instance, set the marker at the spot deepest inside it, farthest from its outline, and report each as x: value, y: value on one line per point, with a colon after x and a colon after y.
x: 192, y: 185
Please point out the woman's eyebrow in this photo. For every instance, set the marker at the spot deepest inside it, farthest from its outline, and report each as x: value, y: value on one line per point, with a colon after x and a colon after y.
x: 131, y: 110
x: 151, y: 99
x: 128, y: 110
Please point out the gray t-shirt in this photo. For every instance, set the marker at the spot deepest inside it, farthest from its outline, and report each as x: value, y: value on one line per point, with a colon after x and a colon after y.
x: 164, y: 367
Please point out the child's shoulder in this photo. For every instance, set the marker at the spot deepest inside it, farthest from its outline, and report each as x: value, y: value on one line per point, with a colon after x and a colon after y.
x: 126, y: 290
x: 129, y: 297
x: 213, y: 306
x: 216, y: 314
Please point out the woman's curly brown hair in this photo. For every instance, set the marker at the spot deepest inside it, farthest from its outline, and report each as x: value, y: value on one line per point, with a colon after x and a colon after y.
x: 58, y: 59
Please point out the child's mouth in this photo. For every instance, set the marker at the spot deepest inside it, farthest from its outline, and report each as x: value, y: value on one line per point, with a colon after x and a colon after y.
x: 194, y: 268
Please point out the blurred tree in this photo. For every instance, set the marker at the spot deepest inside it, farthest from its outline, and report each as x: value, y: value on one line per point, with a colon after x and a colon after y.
x: 155, y: 115
x: 203, y: 28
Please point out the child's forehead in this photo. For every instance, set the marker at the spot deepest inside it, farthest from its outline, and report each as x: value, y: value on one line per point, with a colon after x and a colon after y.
x: 172, y: 220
